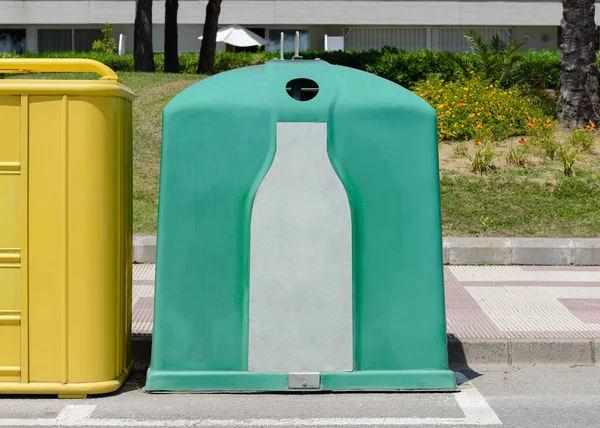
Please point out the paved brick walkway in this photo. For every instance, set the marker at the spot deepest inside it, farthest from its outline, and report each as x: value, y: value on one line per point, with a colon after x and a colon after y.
x: 482, y: 302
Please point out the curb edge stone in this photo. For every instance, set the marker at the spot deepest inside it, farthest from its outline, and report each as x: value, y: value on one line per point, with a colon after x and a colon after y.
x: 474, y: 251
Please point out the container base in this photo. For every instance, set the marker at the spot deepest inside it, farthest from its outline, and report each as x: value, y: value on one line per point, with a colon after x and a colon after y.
x: 228, y: 381
x: 67, y: 390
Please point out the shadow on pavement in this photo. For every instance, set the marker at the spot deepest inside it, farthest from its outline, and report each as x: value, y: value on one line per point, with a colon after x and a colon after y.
x: 457, y: 359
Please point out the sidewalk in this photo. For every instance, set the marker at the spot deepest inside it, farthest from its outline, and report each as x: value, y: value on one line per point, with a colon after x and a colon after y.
x: 495, y: 314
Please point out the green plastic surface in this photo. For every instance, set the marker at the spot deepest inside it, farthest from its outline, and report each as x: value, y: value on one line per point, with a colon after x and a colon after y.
x: 219, y: 139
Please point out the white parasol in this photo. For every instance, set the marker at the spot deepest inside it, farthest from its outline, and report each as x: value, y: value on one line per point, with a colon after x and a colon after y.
x: 238, y: 36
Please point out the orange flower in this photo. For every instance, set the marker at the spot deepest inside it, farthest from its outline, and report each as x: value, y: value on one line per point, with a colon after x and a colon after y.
x: 591, y: 126
x: 523, y: 141
x: 548, y: 123
x: 531, y: 123
x: 478, y: 142
x: 462, y: 103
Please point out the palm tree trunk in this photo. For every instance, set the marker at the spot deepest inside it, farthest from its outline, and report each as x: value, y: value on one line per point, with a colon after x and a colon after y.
x: 579, y: 100
x: 171, y: 49
x: 143, y: 56
x: 206, y: 65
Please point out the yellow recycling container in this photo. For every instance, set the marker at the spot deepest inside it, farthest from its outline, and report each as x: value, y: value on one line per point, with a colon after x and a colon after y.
x: 65, y: 230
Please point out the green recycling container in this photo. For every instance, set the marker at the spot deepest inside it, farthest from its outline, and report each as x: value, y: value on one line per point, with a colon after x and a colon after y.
x: 299, y: 235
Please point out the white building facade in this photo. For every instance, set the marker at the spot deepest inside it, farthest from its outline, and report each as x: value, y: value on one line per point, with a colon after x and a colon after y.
x: 55, y: 25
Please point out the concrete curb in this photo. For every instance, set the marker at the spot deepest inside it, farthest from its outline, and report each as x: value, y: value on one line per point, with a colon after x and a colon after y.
x: 474, y: 251
x: 514, y: 352
x: 144, y: 249
x: 464, y: 352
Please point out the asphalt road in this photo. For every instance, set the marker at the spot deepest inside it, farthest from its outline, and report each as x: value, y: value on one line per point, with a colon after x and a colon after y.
x: 495, y: 396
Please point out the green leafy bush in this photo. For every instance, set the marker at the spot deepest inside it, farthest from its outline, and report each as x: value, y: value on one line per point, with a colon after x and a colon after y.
x: 491, y: 60
x: 107, y: 43
x: 403, y: 67
x: 352, y: 59
x: 407, y: 68
x: 501, y: 63
x: 548, y: 64
x: 225, y: 61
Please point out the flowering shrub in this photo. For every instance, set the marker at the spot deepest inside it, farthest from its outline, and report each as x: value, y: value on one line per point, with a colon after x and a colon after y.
x: 473, y: 108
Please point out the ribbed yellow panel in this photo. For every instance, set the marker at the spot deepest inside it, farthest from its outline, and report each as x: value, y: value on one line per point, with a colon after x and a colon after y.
x: 94, y: 270
x: 65, y: 236
x: 9, y: 292
x: 10, y: 171
x: 10, y: 251
x: 79, y: 255
x: 10, y: 115
x: 47, y: 238
x: 10, y: 338
x: 10, y: 212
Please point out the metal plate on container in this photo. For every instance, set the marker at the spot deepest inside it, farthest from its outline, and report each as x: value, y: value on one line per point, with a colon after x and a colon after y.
x: 304, y: 380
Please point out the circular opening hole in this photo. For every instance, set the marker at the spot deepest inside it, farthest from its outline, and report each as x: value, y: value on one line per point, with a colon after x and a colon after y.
x: 302, y: 89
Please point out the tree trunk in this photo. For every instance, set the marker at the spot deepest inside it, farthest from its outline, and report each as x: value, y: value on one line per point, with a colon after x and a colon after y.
x: 206, y: 65
x: 579, y: 100
x: 143, y: 56
x: 171, y: 49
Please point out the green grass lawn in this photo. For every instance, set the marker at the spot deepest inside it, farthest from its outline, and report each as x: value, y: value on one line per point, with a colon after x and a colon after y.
x: 536, y: 201
x: 153, y: 92
x: 519, y: 207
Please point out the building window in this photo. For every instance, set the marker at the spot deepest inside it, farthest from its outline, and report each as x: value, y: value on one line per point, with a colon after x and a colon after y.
x: 289, y: 40
x: 12, y: 40
x: 85, y: 37
x: 61, y: 40
x: 453, y: 39
x: 366, y: 38
x: 55, y: 40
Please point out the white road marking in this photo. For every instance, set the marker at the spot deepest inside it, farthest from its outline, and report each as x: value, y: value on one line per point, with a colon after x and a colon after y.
x: 516, y: 274
x: 77, y: 412
x: 472, y: 403
x: 516, y: 308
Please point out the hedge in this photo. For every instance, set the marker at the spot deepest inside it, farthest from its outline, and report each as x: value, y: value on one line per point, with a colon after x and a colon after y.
x: 403, y: 67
